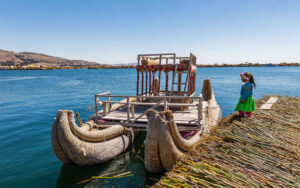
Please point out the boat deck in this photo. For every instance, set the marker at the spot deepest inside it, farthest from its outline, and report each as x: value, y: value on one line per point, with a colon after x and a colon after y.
x: 188, y: 117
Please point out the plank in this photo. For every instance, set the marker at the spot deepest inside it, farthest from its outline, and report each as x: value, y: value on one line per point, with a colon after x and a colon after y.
x: 189, y: 117
x: 143, y: 127
x: 269, y: 103
x: 184, y: 122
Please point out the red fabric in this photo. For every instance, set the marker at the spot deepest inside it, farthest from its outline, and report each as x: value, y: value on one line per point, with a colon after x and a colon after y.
x: 249, y: 114
x: 193, y: 68
x: 241, y: 113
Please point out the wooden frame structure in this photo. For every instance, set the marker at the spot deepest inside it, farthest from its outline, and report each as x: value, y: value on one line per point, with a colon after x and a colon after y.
x: 131, y: 120
x: 149, y: 95
x: 167, y: 62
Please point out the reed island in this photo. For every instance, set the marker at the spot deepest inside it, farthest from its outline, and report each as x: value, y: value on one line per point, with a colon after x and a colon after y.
x: 262, y: 151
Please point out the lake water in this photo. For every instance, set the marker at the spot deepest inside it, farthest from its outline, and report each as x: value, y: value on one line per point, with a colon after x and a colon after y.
x: 29, y: 101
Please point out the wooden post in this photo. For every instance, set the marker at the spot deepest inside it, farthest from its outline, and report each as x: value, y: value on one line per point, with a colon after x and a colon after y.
x: 79, y: 119
x: 128, y: 110
x: 167, y: 81
x: 190, y: 84
x: 179, y: 83
x: 206, y: 90
x: 200, y: 111
x: 174, y: 60
x: 142, y: 82
x: 146, y: 89
x: 137, y: 81
x: 150, y: 83
x: 173, y: 77
x: 96, y: 108
x: 194, y: 83
x: 153, y: 82
x: 104, y: 108
x: 159, y: 74
x: 132, y: 110
x: 109, y: 104
x: 156, y: 86
x: 187, y: 78
x: 165, y: 104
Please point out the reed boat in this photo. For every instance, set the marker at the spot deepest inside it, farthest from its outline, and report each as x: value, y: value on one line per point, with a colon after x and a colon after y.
x: 89, y: 143
x: 168, y: 109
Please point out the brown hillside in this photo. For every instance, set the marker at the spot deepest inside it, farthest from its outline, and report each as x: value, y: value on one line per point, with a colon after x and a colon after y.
x: 27, y: 58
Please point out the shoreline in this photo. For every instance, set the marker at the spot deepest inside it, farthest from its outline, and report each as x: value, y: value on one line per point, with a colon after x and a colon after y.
x: 134, y: 66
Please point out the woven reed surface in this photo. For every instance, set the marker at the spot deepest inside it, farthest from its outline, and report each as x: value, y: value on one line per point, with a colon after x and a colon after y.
x: 263, y: 151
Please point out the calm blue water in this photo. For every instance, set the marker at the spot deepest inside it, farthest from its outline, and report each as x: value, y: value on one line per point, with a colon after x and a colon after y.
x: 29, y: 101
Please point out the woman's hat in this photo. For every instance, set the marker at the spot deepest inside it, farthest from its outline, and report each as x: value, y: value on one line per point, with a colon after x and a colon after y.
x: 246, y: 75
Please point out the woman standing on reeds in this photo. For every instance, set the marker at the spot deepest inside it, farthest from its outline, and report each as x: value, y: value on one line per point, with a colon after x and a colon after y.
x: 246, y: 102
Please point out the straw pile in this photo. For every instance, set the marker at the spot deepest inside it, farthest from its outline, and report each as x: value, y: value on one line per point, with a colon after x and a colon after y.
x: 148, y: 61
x: 263, y: 151
x: 185, y: 61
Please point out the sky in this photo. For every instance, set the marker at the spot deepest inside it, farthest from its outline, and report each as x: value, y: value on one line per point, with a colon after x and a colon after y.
x: 115, y: 31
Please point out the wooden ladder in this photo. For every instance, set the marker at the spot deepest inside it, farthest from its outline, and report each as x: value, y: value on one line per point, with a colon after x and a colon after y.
x: 179, y: 84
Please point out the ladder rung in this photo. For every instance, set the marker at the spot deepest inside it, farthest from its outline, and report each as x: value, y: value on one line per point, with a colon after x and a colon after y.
x: 180, y: 83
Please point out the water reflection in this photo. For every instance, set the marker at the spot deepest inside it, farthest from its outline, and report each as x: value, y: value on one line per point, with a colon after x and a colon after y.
x: 131, y: 160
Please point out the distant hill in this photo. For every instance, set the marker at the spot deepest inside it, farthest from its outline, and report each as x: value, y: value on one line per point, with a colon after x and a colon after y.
x: 8, y: 58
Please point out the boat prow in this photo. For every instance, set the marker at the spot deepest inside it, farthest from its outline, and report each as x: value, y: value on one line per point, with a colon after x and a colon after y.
x: 164, y: 144
x: 88, y: 144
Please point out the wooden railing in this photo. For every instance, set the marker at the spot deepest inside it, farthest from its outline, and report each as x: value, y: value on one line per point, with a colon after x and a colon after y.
x: 162, y: 101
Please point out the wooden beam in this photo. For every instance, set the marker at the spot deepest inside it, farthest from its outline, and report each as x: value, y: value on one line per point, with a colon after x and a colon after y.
x: 150, y: 97
x: 128, y: 116
x: 132, y: 110
x: 150, y: 103
x: 142, y: 83
x: 96, y: 107
x: 146, y: 82
x: 137, y: 82
x: 146, y: 112
x: 104, y: 108
x: 200, y: 111
x: 165, y: 105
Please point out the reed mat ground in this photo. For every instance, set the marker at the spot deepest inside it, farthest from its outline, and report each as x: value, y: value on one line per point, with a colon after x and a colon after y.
x: 263, y: 151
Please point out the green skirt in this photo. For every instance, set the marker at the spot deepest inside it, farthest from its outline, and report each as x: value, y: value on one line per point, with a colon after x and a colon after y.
x: 248, y: 106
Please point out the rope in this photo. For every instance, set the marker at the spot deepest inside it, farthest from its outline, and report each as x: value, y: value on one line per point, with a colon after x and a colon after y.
x: 163, y: 120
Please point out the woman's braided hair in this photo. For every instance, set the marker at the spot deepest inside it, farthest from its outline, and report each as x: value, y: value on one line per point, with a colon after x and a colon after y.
x: 252, y: 80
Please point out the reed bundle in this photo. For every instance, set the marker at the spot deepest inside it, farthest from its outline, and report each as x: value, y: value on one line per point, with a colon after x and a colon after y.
x: 263, y: 151
x: 110, y: 175
x: 185, y: 61
x: 148, y: 61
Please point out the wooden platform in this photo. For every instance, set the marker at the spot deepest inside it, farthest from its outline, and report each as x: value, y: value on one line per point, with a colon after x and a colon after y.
x: 188, y: 117
x: 269, y: 103
x: 186, y: 120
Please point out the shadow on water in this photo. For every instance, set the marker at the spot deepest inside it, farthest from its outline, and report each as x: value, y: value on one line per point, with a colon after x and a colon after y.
x: 131, y: 160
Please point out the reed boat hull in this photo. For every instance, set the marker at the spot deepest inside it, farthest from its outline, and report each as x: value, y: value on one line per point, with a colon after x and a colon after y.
x: 86, y: 145
x: 164, y: 144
